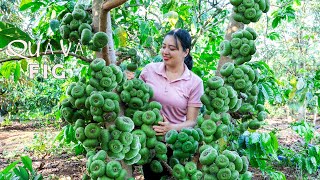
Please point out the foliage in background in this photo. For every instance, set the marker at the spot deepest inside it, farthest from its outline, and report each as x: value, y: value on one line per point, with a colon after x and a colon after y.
x: 13, y: 171
x: 261, y: 148
x: 306, y: 156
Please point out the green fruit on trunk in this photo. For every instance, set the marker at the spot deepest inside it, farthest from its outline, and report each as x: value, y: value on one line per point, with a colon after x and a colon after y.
x: 92, y: 131
x: 227, y: 69
x: 148, y: 130
x: 215, y: 82
x: 115, y: 146
x: 156, y: 166
x: 124, y: 124
x: 224, y: 174
x: 100, y: 39
x: 222, y: 161
x: 171, y: 136
x: 208, y: 156
x: 97, y: 168
x: 178, y: 171
x: 80, y: 136
x: 97, y: 64
x: 208, y: 127
x: 113, y: 169
x: 225, y: 48
x: 132, y: 67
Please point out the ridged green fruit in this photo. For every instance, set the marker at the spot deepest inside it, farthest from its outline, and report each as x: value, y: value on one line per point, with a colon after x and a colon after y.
x: 156, y: 166
x: 208, y: 156
x: 113, y: 169
x: 78, y: 14
x: 124, y: 124
x: 215, y: 82
x: 225, y: 48
x: 224, y: 174
x: 86, y: 36
x: 179, y: 171
x: 227, y: 69
x: 100, y: 39
x: 97, y: 168
x: 92, y: 131
x: 67, y: 18
x: 171, y: 136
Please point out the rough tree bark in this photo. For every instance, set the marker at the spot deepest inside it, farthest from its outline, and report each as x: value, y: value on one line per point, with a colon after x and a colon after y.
x: 102, y: 22
x: 233, y: 26
x: 112, y: 52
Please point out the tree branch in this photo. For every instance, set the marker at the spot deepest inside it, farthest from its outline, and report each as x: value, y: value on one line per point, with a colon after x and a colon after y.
x: 122, y: 59
x: 47, y: 54
x: 103, y: 28
x: 166, y: 165
x: 108, y: 5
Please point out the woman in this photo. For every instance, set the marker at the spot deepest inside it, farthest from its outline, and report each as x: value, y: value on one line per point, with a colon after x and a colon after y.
x: 175, y: 86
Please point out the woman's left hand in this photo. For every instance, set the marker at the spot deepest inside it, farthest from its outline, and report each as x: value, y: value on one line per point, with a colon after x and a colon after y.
x: 163, y: 127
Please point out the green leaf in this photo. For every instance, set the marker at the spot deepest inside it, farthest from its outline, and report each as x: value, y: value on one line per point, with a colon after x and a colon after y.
x: 314, y: 161
x: 9, y: 32
x: 254, y: 138
x: 38, y: 177
x: 27, y: 162
x: 7, y: 68
x: 308, y: 165
x: 274, y: 141
x: 24, y: 64
x: 17, y: 172
x: 17, y: 72
x: 34, y: 6
x: 276, y: 22
x: 23, y: 2
x: 59, y: 136
x: 297, y: 2
x: 78, y: 149
x: 9, y: 167
x: 273, y: 36
x: 23, y: 173
x: 267, y: 92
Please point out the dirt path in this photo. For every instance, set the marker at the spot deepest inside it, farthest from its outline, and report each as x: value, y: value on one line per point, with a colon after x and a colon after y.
x: 17, y: 139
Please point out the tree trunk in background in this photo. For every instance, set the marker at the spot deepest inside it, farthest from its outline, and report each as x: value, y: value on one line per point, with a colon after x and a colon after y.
x: 96, y: 8
x: 112, y: 53
x: 233, y: 26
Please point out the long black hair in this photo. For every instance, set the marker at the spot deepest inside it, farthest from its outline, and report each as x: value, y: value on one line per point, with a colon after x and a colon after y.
x: 184, y: 38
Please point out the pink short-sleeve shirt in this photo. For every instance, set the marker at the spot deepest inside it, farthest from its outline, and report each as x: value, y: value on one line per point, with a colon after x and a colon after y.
x: 175, y: 96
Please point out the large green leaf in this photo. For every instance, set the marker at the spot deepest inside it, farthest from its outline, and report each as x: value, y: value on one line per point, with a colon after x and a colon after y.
x: 27, y: 162
x: 34, y: 6
x: 7, y: 68
x: 273, y: 36
x: 276, y: 22
x: 267, y: 92
x: 9, y: 32
x: 9, y: 167
x: 23, y: 2
x: 17, y: 72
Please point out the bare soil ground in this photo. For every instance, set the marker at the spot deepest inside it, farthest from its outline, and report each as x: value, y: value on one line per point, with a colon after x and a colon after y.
x: 16, y: 139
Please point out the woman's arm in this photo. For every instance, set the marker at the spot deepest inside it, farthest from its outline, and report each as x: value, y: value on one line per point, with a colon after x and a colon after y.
x: 192, y: 113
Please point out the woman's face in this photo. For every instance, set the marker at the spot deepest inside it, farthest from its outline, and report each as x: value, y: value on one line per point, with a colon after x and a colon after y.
x: 171, y: 54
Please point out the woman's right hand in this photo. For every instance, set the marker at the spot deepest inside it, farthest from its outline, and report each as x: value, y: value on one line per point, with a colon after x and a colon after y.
x: 130, y: 75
